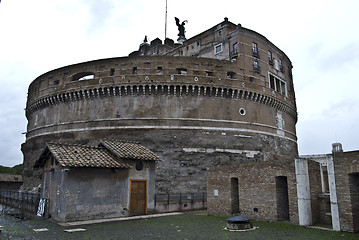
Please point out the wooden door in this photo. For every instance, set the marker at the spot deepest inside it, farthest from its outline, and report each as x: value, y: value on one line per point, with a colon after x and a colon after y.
x: 138, y: 197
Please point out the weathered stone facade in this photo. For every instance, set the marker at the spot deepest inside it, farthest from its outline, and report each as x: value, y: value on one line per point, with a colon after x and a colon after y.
x: 223, y: 97
x: 258, y: 190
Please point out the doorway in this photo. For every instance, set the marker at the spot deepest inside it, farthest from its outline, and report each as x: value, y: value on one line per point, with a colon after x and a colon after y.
x: 234, y: 196
x: 354, y: 197
x: 282, y: 198
x: 138, y: 197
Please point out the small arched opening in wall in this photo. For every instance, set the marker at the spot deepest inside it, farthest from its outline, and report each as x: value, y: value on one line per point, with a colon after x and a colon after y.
x: 165, y: 90
x: 172, y: 90
x: 208, y: 91
x: 83, y: 76
x: 147, y: 90
x: 178, y: 90
x: 184, y: 89
x: 196, y: 91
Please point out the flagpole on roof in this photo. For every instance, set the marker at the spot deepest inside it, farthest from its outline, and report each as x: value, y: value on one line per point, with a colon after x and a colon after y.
x: 165, y: 21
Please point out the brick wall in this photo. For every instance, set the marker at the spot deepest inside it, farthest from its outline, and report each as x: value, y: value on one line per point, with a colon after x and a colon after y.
x: 346, y: 166
x: 257, y: 188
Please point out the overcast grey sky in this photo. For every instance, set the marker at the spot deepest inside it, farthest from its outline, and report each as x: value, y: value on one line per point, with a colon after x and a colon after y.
x: 320, y: 37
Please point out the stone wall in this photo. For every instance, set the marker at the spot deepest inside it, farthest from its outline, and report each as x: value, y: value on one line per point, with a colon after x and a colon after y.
x: 185, y: 155
x: 346, y: 165
x: 82, y: 194
x: 258, y: 189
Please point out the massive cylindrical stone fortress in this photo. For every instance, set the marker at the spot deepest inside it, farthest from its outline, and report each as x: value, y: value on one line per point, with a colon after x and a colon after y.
x: 214, y: 100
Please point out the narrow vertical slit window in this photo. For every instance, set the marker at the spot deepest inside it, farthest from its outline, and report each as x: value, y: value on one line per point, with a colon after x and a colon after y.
x: 271, y: 82
x: 255, y: 50
x: 256, y: 66
x: 235, y: 48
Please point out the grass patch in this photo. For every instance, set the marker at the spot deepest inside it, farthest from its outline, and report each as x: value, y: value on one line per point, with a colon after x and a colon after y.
x: 187, y: 226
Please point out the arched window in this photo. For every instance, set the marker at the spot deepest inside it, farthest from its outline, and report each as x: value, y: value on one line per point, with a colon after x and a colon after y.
x: 83, y: 76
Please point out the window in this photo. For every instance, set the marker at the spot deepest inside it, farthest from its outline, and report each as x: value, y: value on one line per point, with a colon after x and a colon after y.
x: 282, y: 88
x: 139, y: 165
x: 197, y: 43
x: 325, y: 182
x: 86, y: 77
x: 112, y: 71
x: 256, y: 66
x: 281, y: 65
x: 235, y: 48
x: 134, y: 70
x: 271, y: 82
x: 159, y: 71
x: 220, y: 33
x: 209, y: 74
x: 255, y: 49
x: 270, y: 58
x: 231, y: 75
x: 277, y: 84
x: 182, y: 71
x: 218, y: 48
x: 83, y: 76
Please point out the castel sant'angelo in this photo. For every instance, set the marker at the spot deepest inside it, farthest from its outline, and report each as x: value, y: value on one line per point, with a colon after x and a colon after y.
x: 222, y: 97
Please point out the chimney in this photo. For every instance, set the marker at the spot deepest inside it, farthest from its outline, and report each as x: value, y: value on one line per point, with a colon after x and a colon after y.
x: 337, y: 147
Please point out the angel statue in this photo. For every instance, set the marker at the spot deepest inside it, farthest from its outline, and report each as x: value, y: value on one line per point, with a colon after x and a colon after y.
x: 181, y: 30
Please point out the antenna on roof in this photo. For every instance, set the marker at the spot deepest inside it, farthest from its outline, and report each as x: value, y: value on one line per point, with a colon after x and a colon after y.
x: 165, y: 22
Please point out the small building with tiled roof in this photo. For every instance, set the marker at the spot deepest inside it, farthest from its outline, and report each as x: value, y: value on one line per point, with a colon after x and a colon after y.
x: 112, y: 179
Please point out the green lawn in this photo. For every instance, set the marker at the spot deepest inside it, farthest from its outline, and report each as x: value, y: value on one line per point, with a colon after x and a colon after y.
x: 186, y: 226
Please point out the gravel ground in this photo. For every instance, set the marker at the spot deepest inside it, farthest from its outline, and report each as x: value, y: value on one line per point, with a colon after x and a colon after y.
x: 188, y: 226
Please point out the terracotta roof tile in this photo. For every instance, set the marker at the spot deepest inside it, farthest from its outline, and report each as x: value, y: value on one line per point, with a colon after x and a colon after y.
x: 84, y: 156
x: 129, y: 150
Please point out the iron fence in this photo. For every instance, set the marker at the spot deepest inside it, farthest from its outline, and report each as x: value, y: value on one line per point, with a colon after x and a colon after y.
x: 25, y: 202
x: 180, y: 198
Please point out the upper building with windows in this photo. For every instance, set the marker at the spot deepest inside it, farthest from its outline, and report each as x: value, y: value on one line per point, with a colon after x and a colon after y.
x: 228, y: 41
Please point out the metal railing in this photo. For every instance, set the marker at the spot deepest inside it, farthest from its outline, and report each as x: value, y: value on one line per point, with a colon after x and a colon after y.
x: 25, y: 202
x: 180, y: 198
